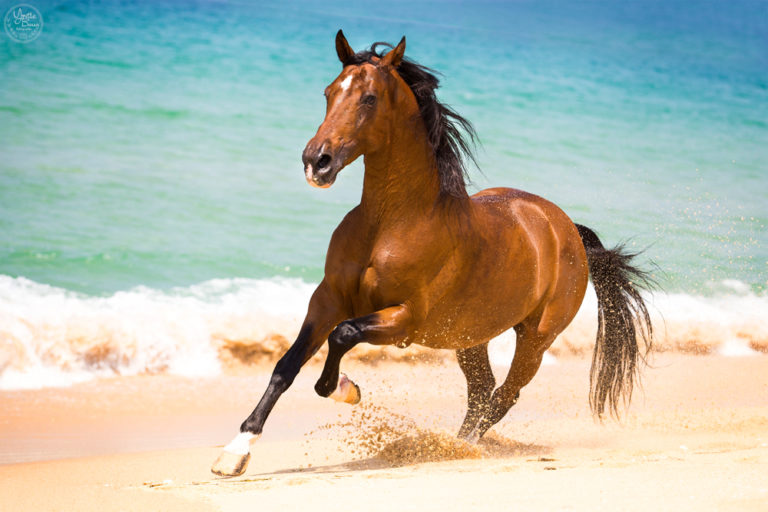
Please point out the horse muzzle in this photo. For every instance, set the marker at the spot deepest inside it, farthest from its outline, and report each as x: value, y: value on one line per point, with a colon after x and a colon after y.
x: 321, y: 166
x: 319, y: 178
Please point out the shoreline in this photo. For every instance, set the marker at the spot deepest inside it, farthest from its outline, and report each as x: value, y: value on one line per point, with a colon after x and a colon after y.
x: 54, y: 338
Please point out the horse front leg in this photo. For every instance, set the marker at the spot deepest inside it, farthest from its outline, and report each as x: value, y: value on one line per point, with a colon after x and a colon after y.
x: 387, y: 326
x: 322, y: 315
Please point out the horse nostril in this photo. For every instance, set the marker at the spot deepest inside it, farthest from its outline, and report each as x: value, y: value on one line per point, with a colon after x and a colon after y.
x: 325, y: 159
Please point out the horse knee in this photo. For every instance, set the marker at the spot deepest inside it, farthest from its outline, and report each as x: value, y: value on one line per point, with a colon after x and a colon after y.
x: 279, y: 382
x: 282, y: 377
x: 344, y: 336
x: 324, y: 387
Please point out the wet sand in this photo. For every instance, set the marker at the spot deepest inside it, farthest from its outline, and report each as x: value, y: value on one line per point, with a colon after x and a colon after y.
x: 696, y: 437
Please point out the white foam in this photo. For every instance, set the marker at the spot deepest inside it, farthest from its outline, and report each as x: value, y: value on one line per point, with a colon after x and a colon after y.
x: 37, y: 377
x: 724, y: 323
x: 53, y: 337
x: 736, y: 348
x: 733, y: 316
x: 734, y: 285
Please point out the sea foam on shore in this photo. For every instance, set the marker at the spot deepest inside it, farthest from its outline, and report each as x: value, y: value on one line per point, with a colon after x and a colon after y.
x: 53, y: 337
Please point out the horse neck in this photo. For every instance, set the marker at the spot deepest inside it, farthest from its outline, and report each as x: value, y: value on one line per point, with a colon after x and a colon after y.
x: 401, y: 180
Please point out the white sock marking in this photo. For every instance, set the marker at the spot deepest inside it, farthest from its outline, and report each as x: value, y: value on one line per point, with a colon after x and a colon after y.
x: 241, y: 444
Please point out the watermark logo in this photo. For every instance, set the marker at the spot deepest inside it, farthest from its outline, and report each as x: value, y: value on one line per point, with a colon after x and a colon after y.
x: 23, y: 23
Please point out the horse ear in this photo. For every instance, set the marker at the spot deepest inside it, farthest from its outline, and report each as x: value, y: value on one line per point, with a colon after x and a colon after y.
x: 343, y: 50
x: 395, y: 56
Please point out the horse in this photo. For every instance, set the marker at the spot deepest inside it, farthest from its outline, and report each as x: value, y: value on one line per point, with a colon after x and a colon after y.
x: 421, y: 261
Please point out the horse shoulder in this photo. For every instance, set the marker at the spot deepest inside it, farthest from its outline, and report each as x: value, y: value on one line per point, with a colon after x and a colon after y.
x: 347, y: 250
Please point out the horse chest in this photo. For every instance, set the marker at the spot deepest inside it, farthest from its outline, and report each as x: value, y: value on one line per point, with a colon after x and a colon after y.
x: 374, y: 291
x: 377, y: 270
x: 381, y: 283
x: 369, y: 283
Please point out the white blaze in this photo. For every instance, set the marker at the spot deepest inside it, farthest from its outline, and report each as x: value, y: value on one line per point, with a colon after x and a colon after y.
x: 345, y: 83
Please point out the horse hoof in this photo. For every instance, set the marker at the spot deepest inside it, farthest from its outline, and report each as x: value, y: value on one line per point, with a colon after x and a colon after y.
x: 230, y: 464
x: 473, y: 437
x: 347, y: 391
x: 354, y: 395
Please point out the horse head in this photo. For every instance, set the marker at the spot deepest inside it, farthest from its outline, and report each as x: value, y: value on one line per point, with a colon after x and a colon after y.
x: 362, y: 105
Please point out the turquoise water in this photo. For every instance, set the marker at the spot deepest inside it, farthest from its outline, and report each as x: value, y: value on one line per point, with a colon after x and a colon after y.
x: 153, y: 208
x: 158, y: 144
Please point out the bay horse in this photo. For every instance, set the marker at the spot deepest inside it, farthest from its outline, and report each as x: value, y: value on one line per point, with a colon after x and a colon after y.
x: 421, y: 261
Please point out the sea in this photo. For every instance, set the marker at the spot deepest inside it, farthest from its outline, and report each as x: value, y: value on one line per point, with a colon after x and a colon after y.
x: 152, y: 196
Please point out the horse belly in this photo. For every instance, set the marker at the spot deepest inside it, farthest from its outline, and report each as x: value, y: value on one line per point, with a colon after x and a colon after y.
x: 447, y: 333
x: 505, y: 287
x: 475, y: 317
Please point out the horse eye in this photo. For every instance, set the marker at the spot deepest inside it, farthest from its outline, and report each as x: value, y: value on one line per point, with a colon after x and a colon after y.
x: 368, y: 99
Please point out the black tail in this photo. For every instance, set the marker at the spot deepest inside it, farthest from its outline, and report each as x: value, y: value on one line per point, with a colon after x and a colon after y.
x: 624, y: 331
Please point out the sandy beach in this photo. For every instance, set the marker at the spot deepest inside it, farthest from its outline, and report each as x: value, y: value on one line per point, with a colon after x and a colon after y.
x: 696, y: 437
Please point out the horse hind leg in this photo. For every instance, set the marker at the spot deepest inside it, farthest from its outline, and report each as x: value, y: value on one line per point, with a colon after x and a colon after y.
x: 529, y: 352
x: 476, y: 367
x: 535, y: 335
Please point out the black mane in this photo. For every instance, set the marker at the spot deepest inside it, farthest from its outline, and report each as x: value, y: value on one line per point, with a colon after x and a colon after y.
x: 444, y: 126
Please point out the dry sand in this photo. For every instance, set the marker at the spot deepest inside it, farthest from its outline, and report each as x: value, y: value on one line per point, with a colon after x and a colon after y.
x: 696, y: 438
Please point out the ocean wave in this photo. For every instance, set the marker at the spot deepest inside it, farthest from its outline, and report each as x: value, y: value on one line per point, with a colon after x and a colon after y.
x: 53, y: 337
x: 730, y: 323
